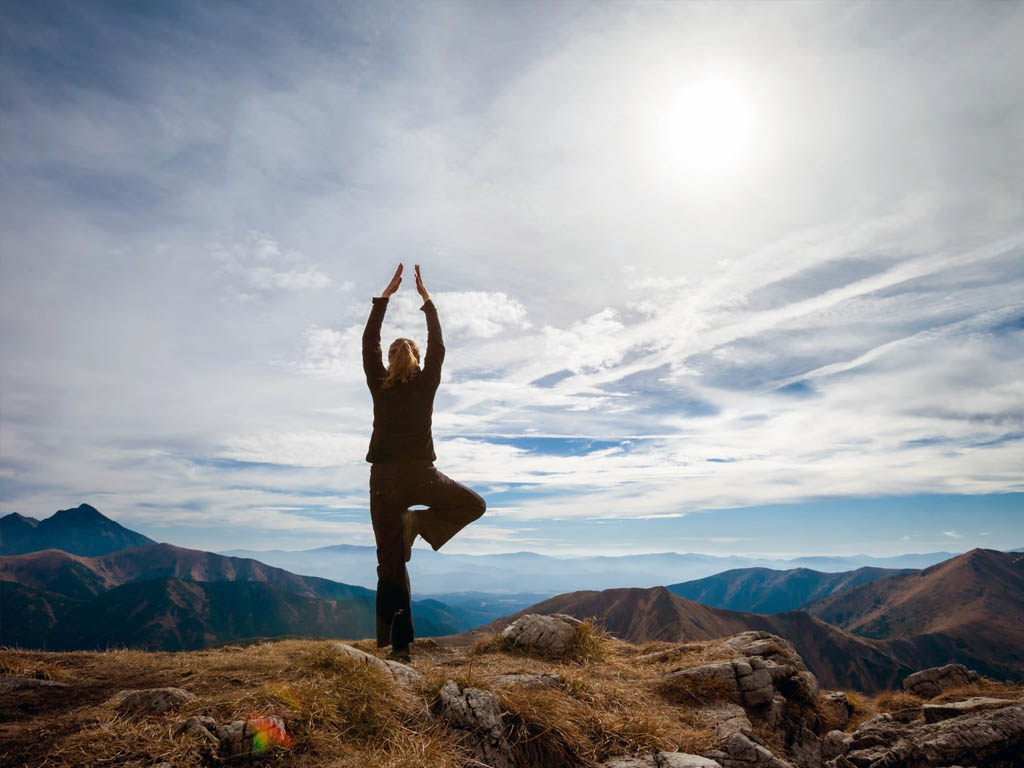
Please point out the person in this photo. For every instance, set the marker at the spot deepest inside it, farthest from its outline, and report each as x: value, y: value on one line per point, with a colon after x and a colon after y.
x: 402, y: 472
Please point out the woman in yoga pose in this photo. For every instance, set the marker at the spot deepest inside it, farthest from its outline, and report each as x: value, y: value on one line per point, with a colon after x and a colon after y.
x: 402, y: 470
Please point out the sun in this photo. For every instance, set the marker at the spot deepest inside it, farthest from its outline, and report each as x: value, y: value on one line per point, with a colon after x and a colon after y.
x: 707, y: 127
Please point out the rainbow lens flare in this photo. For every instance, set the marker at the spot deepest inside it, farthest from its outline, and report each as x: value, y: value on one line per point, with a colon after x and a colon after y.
x: 268, y: 734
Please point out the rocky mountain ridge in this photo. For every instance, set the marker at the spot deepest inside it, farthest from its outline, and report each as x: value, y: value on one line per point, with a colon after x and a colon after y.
x: 81, y: 530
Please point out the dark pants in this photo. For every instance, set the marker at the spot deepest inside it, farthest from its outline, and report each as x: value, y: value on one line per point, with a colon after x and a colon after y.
x: 394, y: 487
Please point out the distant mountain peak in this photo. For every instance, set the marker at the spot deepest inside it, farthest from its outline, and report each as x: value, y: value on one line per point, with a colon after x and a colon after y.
x: 81, y: 512
x: 81, y: 530
x: 18, y: 517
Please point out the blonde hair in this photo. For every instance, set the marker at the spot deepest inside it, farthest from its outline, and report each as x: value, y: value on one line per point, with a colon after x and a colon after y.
x: 403, y: 362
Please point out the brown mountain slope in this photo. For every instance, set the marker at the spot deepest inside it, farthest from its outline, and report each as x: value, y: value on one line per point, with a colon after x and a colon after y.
x: 839, y: 659
x: 981, y: 587
x: 82, y: 577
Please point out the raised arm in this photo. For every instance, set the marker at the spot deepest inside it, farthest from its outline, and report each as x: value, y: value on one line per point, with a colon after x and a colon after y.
x: 435, y: 341
x: 373, y: 365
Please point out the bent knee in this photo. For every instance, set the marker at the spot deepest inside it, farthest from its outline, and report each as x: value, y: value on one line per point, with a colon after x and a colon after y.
x: 480, y: 507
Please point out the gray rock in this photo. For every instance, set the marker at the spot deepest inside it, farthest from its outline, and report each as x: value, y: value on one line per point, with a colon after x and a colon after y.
x: 908, y: 715
x: 765, y: 645
x: 203, y: 727
x: 775, y: 712
x: 780, y: 671
x: 683, y: 760
x: 477, y: 715
x: 754, y: 680
x: 880, y: 730
x: 150, y: 701
x: 805, y: 747
x: 402, y: 673
x: 545, y: 635
x: 525, y: 680
x: 744, y: 750
x: 834, y: 744
x: 727, y: 718
x: 722, y: 673
x: 934, y: 713
x: 929, y: 683
x: 21, y: 683
x: 969, y: 739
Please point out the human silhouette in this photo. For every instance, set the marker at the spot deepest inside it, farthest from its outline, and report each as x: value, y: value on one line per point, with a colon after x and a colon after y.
x: 402, y: 472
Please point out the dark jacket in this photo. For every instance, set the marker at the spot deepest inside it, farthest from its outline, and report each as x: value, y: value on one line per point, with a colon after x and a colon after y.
x: 402, y: 413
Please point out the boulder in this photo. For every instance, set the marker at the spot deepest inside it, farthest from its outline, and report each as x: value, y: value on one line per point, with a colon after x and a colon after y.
x: 834, y: 744
x: 929, y: 683
x: 727, y: 718
x: 934, y: 713
x: 775, y: 713
x: 804, y: 747
x: 202, y: 727
x: 766, y: 645
x: 476, y: 715
x: 744, y: 750
x: 402, y: 673
x: 545, y: 635
x: 150, y: 701
x: 20, y: 683
x: 989, y: 735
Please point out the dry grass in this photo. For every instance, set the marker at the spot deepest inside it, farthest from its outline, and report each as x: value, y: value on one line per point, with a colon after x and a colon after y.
x: 983, y: 687
x: 894, y: 701
x: 17, y: 663
x: 342, y: 713
x: 863, y: 709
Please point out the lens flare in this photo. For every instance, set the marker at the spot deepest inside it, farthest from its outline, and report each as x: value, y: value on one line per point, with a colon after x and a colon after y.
x: 268, y: 734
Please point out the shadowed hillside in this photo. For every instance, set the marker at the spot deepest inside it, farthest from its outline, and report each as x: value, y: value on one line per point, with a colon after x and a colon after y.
x: 169, y: 598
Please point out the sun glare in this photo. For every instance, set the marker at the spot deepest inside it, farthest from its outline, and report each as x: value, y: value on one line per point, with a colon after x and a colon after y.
x: 708, y: 127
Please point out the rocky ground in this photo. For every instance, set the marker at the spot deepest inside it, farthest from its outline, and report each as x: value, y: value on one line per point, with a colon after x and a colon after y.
x: 547, y: 691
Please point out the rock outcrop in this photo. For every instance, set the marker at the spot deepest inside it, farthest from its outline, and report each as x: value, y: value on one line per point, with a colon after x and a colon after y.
x: 403, y: 673
x: 550, y: 635
x: 20, y: 683
x: 929, y: 683
x: 994, y: 737
x: 476, y: 715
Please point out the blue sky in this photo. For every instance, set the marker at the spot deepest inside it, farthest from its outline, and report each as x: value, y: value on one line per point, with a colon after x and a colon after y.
x: 727, y: 278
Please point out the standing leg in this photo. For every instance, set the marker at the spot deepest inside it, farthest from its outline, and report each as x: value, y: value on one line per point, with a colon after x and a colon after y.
x: 453, y: 506
x: 394, y: 608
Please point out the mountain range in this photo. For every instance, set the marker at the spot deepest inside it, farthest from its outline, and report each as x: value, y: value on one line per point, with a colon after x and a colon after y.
x: 864, y: 628
x: 437, y: 573
x: 765, y: 590
x: 170, y: 598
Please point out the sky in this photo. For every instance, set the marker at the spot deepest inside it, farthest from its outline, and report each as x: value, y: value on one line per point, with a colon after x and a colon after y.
x: 728, y: 278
